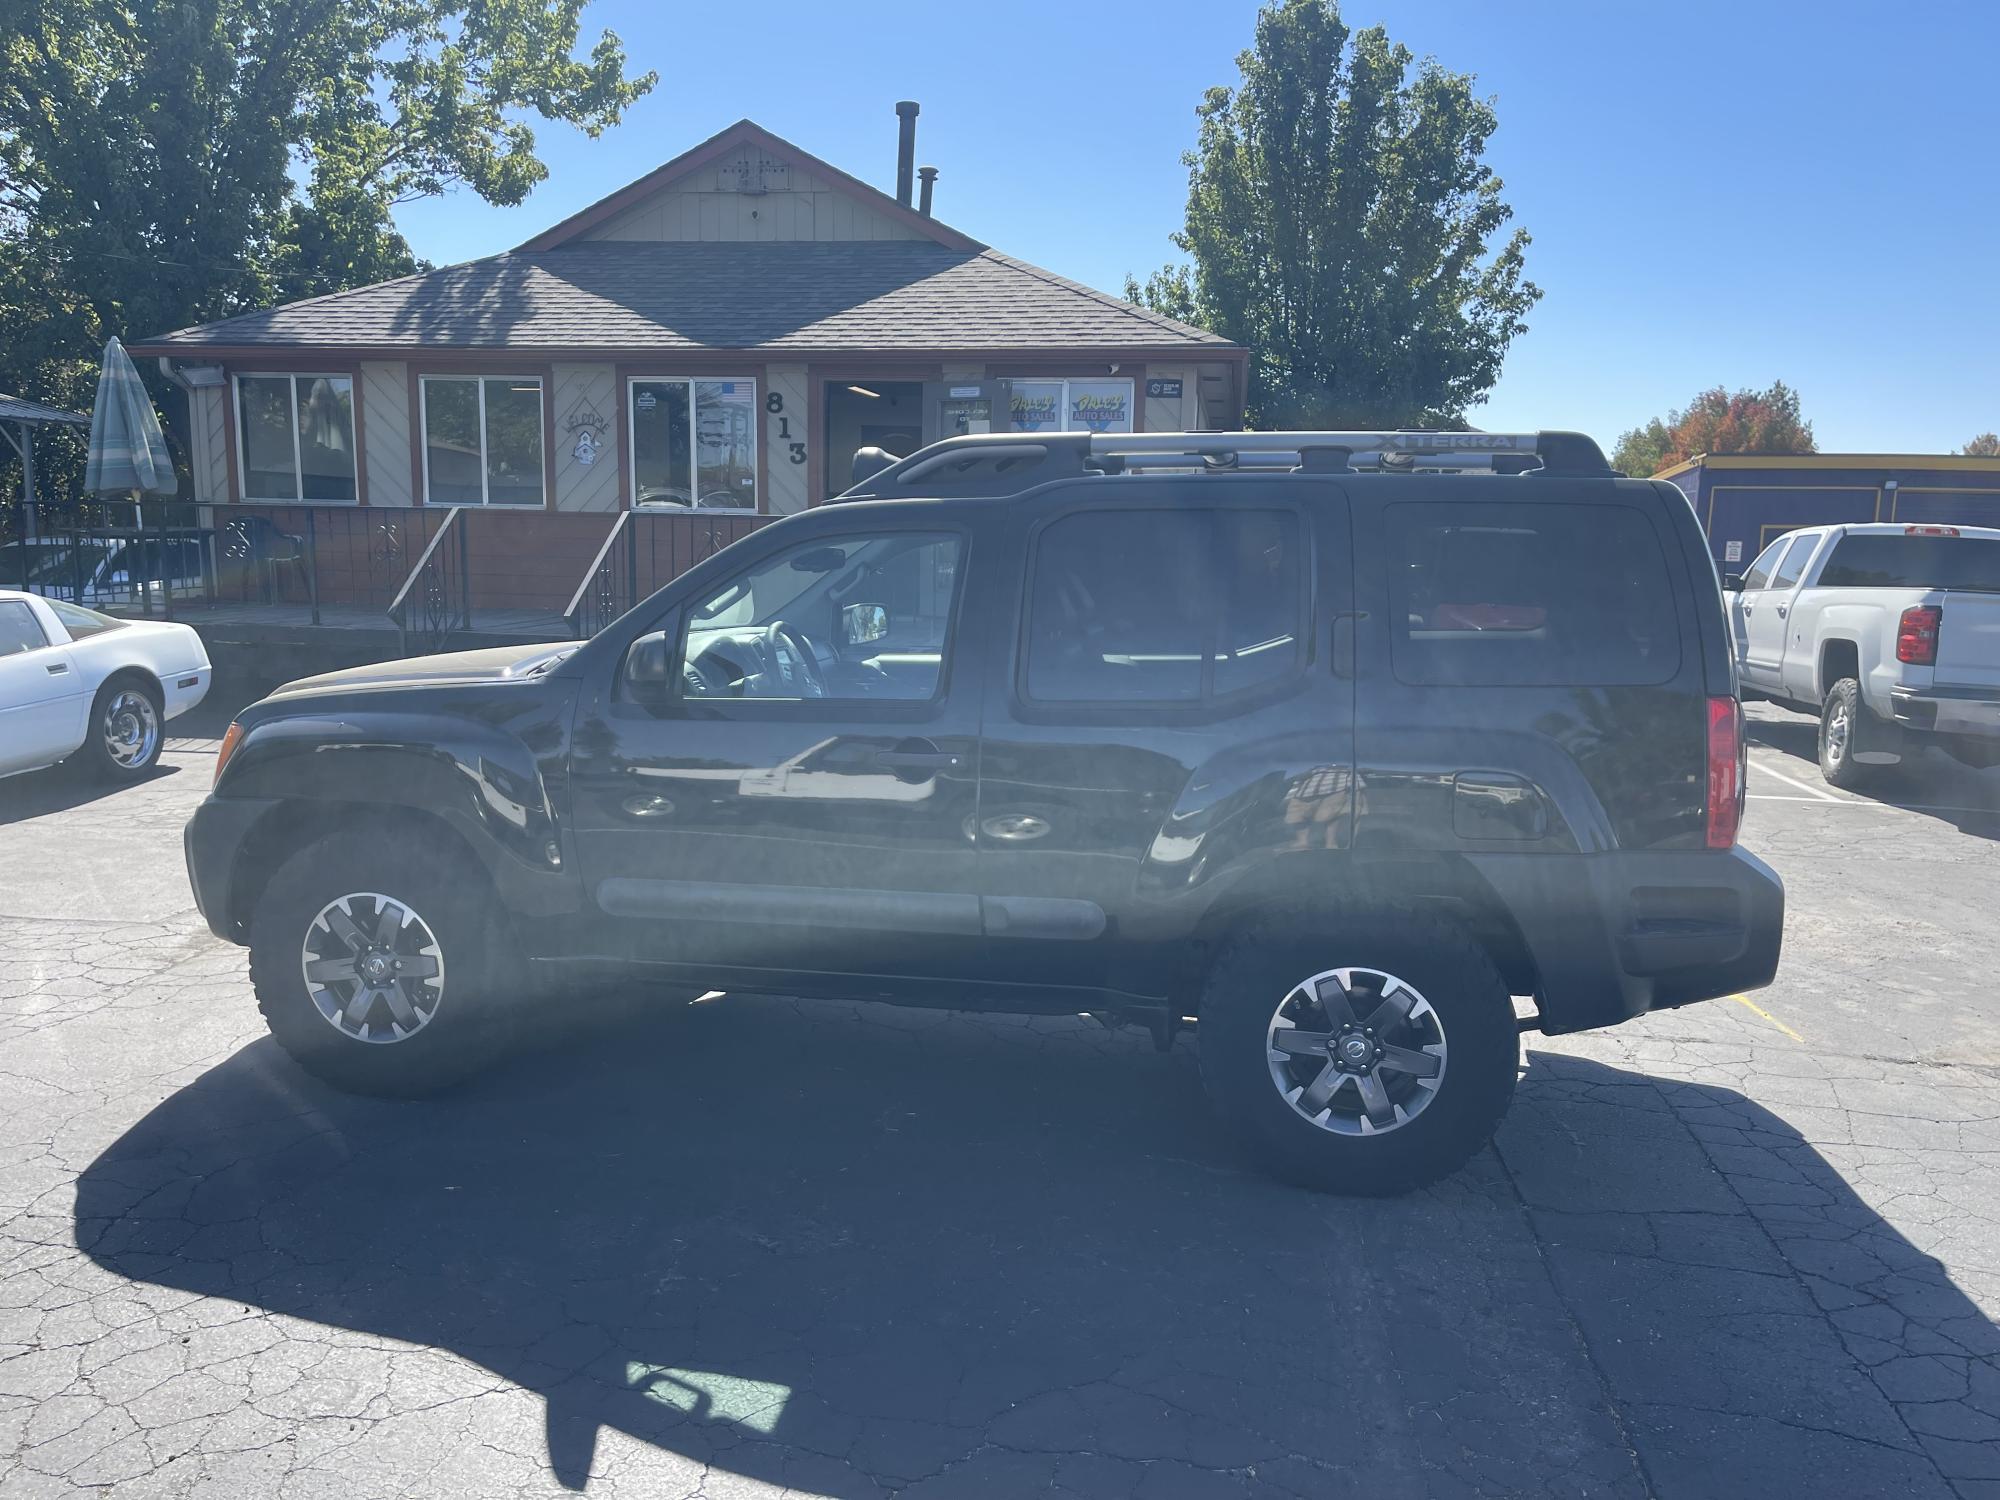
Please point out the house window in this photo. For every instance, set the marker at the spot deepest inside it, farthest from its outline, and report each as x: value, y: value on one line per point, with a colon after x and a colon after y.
x: 482, y: 440
x: 1070, y: 405
x: 694, y: 442
x: 296, y: 437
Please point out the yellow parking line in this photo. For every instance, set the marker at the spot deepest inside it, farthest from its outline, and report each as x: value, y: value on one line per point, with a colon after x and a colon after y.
x: 1748, y: 1004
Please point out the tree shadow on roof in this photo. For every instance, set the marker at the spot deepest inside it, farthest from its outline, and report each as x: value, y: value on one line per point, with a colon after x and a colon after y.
x: 857, y: 1250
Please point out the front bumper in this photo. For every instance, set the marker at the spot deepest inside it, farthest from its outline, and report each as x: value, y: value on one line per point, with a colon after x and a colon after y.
x: 213, y: 839
x: 1618, y: 934
x: 1948, y: 710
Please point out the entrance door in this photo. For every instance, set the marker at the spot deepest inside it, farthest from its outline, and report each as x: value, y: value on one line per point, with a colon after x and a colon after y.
x: 956, y: 408
x: 781, y: 780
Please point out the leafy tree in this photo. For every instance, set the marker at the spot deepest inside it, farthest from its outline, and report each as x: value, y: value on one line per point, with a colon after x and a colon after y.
x: 1986, y: 445
x: 167, y: 162
x: 1718, y: 421
x: 1340, y: 220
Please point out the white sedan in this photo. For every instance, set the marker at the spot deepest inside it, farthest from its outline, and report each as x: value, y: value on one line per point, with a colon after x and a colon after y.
x: 77, y: 683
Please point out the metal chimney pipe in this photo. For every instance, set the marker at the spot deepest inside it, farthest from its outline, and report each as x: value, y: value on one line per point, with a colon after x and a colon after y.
x: 929, y: 176
x: 906, y: 147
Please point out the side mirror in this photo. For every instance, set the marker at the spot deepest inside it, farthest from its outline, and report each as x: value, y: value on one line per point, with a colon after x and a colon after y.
x: 649, y: 661
x: 862, y: 623
x: 1732, y: 583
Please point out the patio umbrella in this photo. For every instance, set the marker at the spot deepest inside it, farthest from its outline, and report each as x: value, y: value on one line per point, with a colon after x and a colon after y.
x: 128, y: 452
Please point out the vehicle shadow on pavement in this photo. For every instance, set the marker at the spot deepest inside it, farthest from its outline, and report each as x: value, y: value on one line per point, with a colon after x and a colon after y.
x: 850, y: 1249
x: 57, y: 789
x: 1928, y: 783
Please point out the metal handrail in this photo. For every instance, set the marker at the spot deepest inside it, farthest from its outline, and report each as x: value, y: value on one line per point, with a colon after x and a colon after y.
x: 396, y: 604
x: 583, y: 587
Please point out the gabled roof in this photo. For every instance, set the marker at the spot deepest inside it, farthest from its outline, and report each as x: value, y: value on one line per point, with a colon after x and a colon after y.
x: 598, y: 298
x: 743, y: 133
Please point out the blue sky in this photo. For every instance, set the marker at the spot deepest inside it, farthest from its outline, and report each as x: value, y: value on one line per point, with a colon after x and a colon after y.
x: 1718, y: 193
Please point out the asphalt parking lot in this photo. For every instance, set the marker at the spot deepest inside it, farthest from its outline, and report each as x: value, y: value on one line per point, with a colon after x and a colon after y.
x: 754, y: 1247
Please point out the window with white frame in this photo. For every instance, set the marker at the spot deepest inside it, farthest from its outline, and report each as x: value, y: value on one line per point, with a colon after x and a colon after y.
x: 694, y: 442
x: 482, y: 439
x: 295, y: 437
x: 1070, y: 405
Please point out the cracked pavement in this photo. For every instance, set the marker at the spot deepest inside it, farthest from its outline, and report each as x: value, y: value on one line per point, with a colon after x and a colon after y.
x: 754, y: 1247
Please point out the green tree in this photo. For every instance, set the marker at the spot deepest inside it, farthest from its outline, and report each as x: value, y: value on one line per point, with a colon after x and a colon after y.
x: 167, y: 162
x: 1718, y: 421
x: 1986, y: 445
x: 1340, y: 221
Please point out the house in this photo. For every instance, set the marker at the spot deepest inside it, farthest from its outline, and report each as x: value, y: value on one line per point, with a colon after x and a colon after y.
x: 1743, y: 500
x: 715, y: 339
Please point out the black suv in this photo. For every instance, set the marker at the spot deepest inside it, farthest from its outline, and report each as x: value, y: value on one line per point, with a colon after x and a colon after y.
x: 1360, y: 752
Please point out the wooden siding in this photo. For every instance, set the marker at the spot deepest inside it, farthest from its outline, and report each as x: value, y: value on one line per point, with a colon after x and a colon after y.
x: 785, y: 481
x: 811, y: 209
x: 585, y: 398
x: 208, y: 449
x: 385, y: 433
x: 1172, y: 413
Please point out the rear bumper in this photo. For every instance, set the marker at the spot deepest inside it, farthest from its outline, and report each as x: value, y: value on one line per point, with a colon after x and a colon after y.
x: 1616, y: 935
x: 184, y: 690
x: 211, y: 841
x: 1947, y: 710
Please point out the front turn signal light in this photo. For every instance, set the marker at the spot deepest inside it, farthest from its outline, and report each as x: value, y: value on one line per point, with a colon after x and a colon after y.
x: 231, y: 738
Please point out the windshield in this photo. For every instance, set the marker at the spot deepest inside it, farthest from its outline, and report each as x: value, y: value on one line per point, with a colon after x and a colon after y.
x: 1967, y: 564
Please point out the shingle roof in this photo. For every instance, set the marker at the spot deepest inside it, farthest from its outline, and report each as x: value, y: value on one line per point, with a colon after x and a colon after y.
x: 15, y: 409
x: 780, y: 296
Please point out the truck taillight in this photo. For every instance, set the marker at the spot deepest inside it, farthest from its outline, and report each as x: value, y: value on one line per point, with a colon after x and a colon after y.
x: 1727, y: 771
x: 1930, y: 531
x: 1917, y: 635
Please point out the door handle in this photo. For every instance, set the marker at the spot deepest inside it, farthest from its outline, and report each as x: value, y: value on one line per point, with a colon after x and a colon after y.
x: 1781, y: 611
x: 1343, y: 641
x: 57, y: 668
x: 916, y: 755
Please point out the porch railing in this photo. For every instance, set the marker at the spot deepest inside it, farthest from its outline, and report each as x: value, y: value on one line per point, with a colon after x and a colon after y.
x: 99, y: 558
x: 645, y: 550
x: 436, y: 598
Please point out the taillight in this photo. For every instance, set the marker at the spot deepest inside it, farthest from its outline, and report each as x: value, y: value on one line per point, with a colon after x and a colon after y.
x: 1727, y: 770
x: 231, y: 738
x: 1917, y: 635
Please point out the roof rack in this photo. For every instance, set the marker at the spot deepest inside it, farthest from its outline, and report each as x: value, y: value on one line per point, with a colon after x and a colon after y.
x: 1006, y: 463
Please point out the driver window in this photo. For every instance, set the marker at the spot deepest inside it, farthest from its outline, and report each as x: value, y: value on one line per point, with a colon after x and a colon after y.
x: 1760, y: 570
x: 853, y: 617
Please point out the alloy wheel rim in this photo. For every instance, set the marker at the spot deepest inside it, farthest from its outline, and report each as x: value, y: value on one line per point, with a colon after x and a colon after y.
x: 1836, y: 734
x: 373, y: 968
x: 1356, y: 1051
x: 131, y: 729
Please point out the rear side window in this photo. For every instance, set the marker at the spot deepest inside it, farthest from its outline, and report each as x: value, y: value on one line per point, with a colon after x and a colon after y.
x: 1970, y: 564
x: 1794, y: 563
x: 1518, y: 595
x: 1164, y: 606
x: 81, y: 622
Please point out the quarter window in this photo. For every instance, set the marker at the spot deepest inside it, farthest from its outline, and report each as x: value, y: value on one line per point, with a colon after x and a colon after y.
x: 482, y: 440
x: 1517, y: 595
x: 694, y: 443
x: 1164, y: 606
x: 296, y: 437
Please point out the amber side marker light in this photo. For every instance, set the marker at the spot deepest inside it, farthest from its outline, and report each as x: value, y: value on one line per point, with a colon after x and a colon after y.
x: 231, y: 738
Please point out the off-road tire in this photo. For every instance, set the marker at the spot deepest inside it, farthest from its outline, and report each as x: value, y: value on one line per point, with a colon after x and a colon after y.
x: 477, y: 1008
x: 1265, y: 959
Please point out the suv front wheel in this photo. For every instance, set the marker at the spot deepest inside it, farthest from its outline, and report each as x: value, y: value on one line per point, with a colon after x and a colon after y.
x: 1365, y: 1055
x: 376, y: 965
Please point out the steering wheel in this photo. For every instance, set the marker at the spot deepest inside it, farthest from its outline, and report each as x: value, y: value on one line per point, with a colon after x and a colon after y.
x: 812, y: 682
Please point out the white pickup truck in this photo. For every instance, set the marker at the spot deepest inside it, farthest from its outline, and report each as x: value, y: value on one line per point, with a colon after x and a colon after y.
x: 1890, y: 633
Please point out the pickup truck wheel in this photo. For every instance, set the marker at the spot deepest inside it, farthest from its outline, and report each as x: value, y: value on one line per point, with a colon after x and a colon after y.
x: 376, y: 966
x: 1846, y: 729
x: 1368, y: 1055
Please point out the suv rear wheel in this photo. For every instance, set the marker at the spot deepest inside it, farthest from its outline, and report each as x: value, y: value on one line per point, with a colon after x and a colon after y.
x: 376, y: 966
x: 1360, y: 1055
